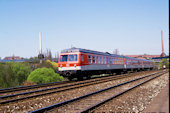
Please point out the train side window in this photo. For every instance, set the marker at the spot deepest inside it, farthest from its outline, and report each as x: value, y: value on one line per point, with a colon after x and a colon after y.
x: 97, y: 59
x: 101, y: 61
x: 110, y: 60
x: 107, y: 60
x: 90, y: 59
x: 82, y: 57
x: 94, y: 59
x: 104, y: 60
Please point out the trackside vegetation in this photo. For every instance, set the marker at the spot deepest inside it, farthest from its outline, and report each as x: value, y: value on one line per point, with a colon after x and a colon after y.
x: 44, y: 75
x: 13, y: 74
x: 164, y: 63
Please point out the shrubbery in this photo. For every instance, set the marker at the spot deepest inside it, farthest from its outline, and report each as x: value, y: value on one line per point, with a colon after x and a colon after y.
x: 164, y: 62
x: 13, y: 74
x: 16, y: 74
x: 49, y: 64
x: 44, y: 75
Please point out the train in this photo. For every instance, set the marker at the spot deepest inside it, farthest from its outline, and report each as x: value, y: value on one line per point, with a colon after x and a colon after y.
x: 79, y: 63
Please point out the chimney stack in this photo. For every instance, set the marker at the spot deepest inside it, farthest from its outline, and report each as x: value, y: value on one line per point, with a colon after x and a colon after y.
x: 162, y: 54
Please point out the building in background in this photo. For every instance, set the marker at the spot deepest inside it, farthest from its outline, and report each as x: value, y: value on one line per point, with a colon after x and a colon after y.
x: 12, y: 59
x: 144, y: 56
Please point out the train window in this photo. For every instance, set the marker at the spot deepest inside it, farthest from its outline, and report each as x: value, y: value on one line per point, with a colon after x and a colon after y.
x: 82, y: 58
x: 97, y: 59
x: 90, y: 59
x: 63, y: 58
x: 72, y: 57
x: 101, y: 60
x: 94, y: 60
x: 107, y: 60
x: 110, y: 60
x: 104, y: 60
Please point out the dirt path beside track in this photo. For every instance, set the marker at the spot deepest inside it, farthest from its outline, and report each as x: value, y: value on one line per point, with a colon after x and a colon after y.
x: 160, y: 103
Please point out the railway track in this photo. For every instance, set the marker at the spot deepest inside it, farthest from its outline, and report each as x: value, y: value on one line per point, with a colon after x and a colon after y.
x: 5, y: 90
x: 7, y: 98
x: 90, y: 101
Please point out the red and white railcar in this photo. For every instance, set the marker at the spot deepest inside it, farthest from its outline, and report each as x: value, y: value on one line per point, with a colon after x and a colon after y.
x: 77, y: 62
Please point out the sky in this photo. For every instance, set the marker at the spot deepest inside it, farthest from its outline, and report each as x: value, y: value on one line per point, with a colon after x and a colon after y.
x: 131, y: 26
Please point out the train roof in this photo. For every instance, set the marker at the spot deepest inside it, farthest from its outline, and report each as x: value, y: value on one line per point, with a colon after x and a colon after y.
x: 87, y: 51
x: 73, y: 49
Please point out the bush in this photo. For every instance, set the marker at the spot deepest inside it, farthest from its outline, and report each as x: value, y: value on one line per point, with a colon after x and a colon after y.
x: 21, y: 72
x: 163, y: 62
x: 13, y: 74
x: 44, y: 75
x: 54, y: 65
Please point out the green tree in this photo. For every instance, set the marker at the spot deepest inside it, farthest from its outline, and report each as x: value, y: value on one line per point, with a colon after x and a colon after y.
x: 44, y: 75
x: 6, y: 76
x: 13, y: 74
x: 20, y: 72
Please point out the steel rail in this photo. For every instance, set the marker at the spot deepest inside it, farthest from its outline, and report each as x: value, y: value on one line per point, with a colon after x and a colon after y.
x: 116, y: 95
x: 81, y: 82
x: 5, y: 90
x: 108, y: 78
x: 81, y: 97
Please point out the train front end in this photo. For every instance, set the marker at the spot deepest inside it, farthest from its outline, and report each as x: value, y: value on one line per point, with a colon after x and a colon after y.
x: 69, y: 64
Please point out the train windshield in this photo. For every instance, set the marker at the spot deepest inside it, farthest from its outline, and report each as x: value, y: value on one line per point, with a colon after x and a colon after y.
x: 65, y: 58
x: 72, y: 57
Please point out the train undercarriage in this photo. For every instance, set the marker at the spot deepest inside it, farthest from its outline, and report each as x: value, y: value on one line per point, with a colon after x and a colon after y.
x: 80, y: 75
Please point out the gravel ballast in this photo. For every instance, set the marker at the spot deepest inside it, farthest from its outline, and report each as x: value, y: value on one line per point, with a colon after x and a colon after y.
x: 42, y: 101
x: 136, y: 100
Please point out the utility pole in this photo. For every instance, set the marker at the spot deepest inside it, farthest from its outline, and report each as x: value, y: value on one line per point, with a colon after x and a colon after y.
x: 40, y: 56
x: 40, y: 42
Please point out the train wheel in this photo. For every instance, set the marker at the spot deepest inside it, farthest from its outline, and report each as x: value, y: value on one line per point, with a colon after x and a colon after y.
x: 88, y: 77
x: 70, y: 78
x: 80, y: 77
